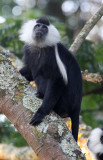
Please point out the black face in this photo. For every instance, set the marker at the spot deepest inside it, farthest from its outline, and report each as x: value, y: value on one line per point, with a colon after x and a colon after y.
x: 40, y: 31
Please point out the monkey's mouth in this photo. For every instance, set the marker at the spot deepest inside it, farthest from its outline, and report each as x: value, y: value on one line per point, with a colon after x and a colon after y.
x: 39, y: 35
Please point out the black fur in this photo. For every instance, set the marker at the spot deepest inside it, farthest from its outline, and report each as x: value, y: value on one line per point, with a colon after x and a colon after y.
x: 99, y: 156
x: 40, y: 65
x: 43, y: 20
x: 101, y: 139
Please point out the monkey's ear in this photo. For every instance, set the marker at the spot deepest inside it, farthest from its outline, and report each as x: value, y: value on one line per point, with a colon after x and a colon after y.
x: 25, y: 33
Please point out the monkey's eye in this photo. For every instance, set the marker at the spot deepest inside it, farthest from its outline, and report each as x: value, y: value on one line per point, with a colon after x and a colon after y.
x: 37, y: 26
x: 45, y: 29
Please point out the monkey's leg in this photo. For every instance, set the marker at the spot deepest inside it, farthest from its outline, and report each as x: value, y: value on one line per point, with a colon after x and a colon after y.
x: 41, y: 83
x: 54, y: 91
x: 75, y: 125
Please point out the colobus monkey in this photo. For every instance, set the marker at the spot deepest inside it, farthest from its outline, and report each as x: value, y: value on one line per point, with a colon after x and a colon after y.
x: 54, y: 70
x: 95, y: 143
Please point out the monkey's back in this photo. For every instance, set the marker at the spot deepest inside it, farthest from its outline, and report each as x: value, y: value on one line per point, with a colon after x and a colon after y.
x: 72, y: 95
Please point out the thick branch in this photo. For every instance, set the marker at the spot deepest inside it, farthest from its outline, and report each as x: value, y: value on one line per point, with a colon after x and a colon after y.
x: 86, y: 29
x: 51, y: 139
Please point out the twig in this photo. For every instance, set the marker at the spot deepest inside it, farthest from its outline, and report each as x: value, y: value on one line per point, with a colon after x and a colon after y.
x: 92, y: 77
x: 86, y: 29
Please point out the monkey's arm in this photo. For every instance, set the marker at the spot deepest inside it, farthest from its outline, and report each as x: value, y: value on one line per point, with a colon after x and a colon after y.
x: 54, y: 91
x: 26, y: 72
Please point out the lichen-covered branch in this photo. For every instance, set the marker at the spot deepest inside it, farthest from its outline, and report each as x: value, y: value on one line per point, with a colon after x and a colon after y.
x: 86, y: 29
x: 51, y: 139
x: 92, y: 77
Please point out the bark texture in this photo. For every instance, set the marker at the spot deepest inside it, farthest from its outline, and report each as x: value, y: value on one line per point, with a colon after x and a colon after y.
x: 51, y: 140
x: 86, y: 29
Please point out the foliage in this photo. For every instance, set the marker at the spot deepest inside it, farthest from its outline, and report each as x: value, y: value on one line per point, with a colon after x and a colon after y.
x: 90, y: 58
x: 98, y: 52
x: 9, y: 35
x: 86, y: 57
x: 8, y: 134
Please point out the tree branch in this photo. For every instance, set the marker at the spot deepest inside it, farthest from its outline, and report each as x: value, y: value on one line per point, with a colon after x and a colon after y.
x: 96, y: 90
x: 92, y: 77
x: 86, y: 29
x: 51, y: 139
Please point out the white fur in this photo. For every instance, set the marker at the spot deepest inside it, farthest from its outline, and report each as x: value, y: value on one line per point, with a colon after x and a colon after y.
x: 61, y: 66
x: 95, y: 145
x: 53, y: 36
x: 27, y: 31
x: 26, y: 35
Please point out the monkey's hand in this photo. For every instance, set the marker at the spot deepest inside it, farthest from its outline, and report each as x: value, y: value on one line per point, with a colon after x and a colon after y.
x: 51, y: 97
x: 37, y: 118
x: 39, y: 95
x: 26, y: 72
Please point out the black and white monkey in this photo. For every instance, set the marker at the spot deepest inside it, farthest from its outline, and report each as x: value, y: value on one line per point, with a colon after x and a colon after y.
x: 54, y: 70
x: 95, y: 143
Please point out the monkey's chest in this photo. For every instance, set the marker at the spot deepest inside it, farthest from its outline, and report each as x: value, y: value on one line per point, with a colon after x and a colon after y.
x: 40, y: 64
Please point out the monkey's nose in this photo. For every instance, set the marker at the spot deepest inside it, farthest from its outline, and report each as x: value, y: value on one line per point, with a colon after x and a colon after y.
x: 39, y: 34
